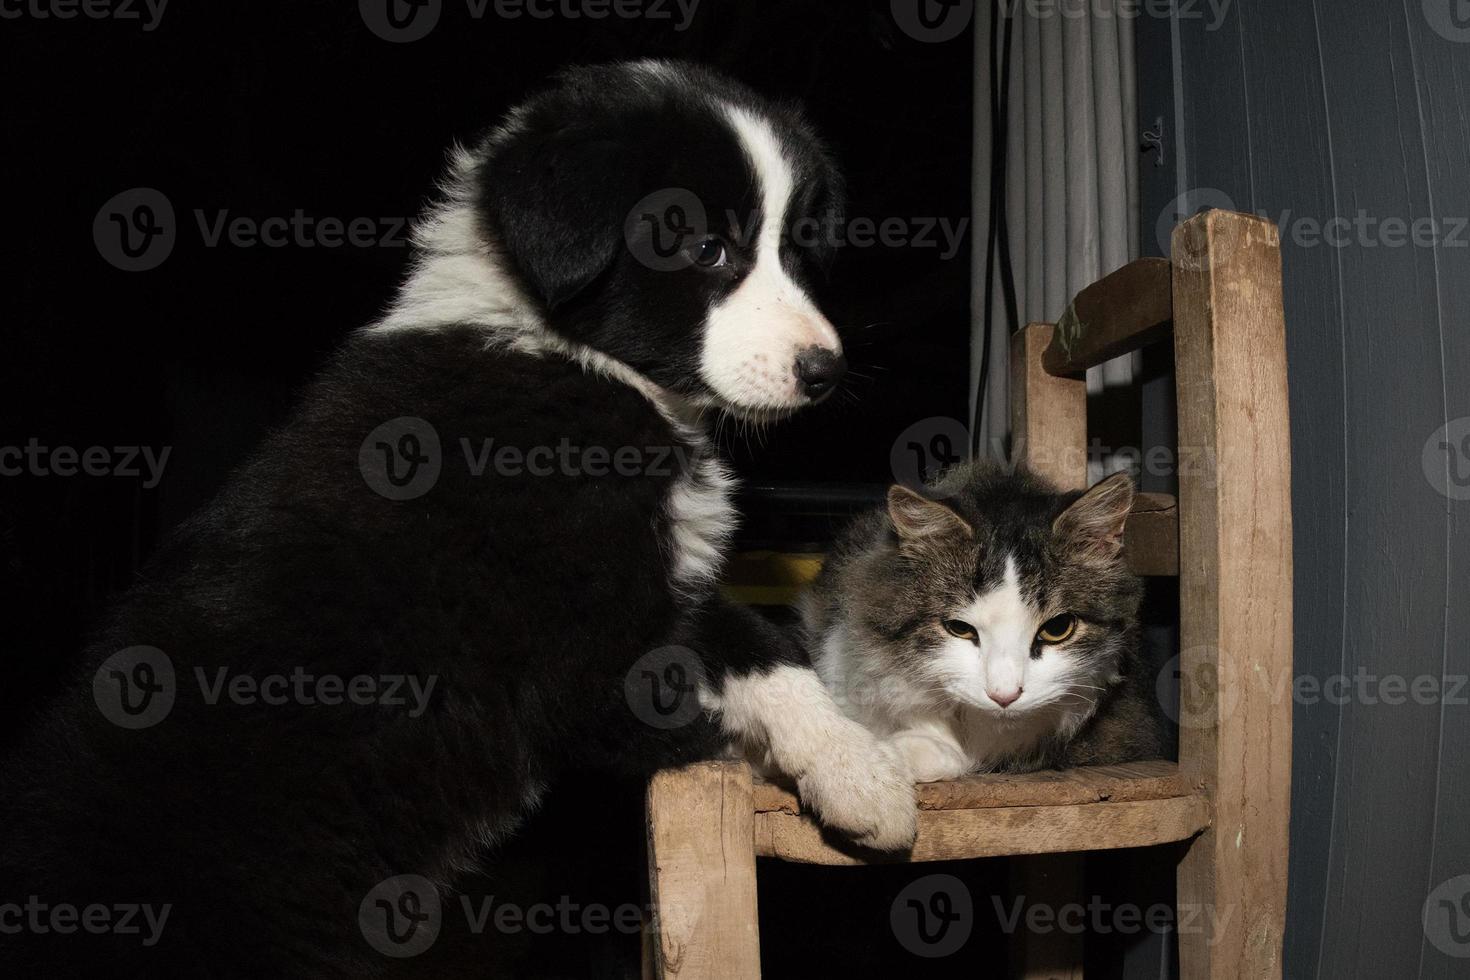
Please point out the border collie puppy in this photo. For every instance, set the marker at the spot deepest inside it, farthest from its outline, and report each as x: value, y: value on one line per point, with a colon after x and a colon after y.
x: 482, y: 554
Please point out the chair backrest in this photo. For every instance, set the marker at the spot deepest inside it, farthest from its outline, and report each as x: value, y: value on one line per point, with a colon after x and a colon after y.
x: 1228, y: 538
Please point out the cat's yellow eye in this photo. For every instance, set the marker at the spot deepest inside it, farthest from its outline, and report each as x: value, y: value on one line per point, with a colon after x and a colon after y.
x: 1058, y: 629
x: 961, y: 629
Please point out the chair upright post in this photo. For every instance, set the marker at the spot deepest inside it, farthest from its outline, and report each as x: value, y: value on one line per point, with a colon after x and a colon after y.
x: 1235, y: 590
x: 1049, y: 435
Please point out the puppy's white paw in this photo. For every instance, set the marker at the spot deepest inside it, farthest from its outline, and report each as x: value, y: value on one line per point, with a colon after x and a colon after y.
x: 929, y: 758
x: 861, y: 787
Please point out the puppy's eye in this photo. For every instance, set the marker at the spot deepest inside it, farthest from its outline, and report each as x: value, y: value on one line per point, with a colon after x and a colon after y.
x: 1058, y: 629
x: 710, y: 254
x: 961, y: 629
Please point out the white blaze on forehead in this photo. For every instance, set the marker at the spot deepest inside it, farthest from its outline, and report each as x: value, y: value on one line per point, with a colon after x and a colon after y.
x: 1006, y: 623
x: 754, y: 334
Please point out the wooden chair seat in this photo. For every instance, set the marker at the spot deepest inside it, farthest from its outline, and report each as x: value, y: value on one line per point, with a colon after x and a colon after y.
x: 1000, y: 814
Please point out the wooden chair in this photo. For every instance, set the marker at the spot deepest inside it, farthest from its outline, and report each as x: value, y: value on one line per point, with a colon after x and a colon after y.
x: 1228, y: 539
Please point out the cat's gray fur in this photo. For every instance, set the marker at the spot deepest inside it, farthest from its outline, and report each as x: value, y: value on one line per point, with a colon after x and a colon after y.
x: 875, y: 617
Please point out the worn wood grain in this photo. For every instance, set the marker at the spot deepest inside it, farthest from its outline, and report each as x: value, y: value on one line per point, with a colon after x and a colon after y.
x: 1235, y: 588
x: 1048, y: 414
x: 1151, y: 537
x: 1151, y: 780
x: 1129, y: 309
x: 951, y: 835
x: 701, y: 870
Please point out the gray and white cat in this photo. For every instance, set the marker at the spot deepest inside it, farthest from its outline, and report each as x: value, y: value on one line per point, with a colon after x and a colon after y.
x: 990, y: 625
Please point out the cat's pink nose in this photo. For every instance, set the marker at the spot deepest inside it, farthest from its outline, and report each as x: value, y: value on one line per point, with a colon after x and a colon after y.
x: 1004, y: 698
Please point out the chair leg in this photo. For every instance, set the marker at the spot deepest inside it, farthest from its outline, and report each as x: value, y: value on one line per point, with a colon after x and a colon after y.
x: 701, y: 868
x: 1050, y: 881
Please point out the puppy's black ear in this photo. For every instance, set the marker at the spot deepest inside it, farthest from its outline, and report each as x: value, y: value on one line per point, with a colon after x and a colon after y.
x: 558, y: 202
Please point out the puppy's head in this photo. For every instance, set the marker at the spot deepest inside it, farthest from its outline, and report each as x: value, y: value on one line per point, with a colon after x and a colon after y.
x: 669, y: 218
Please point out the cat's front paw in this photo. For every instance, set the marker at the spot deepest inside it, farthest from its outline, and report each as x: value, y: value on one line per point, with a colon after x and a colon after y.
x: 862, y: 787
x: 931, y: 758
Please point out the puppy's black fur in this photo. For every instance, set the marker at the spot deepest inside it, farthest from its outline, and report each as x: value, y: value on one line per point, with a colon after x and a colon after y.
x: 529, y: 598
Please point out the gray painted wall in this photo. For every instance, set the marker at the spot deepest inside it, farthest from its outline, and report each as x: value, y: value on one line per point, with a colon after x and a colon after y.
x: 1312, y: 110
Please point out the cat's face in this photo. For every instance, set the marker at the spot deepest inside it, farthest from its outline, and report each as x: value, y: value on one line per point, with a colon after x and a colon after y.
x: 1008, y: 599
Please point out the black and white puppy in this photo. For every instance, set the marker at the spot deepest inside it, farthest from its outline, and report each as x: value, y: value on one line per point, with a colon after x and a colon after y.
x: 233, y: 763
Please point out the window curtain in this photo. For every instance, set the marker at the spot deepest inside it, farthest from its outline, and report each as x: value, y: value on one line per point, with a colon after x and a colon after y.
x: 1063, y: 119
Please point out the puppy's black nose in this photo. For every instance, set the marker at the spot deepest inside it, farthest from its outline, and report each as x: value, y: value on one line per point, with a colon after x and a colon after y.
x: 819, y: 370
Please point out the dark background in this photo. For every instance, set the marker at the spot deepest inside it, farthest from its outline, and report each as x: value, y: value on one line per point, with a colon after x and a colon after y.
x: 257, y: 110
x: 260, y: 109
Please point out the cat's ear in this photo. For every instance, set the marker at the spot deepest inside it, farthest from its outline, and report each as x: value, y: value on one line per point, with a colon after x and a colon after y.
x: 917, y: 518
x: 1092, y: 528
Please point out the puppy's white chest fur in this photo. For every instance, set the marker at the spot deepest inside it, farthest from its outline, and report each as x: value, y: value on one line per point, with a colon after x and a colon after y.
x: 702, y: 520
